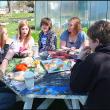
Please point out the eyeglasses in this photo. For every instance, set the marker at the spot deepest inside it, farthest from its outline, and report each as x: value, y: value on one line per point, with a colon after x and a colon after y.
x: 70, y: 24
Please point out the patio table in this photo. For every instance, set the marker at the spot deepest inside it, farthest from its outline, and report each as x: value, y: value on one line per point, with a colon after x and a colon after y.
x: 52, y: 86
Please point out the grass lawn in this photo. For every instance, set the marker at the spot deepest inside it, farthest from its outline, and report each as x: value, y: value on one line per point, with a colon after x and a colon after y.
x: 9, y: 16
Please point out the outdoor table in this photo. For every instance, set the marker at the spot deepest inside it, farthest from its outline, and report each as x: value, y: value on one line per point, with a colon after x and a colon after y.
x: 52, y: 86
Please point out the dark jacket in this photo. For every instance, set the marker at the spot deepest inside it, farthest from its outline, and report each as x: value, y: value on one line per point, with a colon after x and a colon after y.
x: 3, y: 54
x: 51, y: 42
x: 92, y: 76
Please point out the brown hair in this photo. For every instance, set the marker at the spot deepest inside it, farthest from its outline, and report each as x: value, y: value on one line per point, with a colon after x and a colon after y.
x: 46, y: 21
x: 77, y: 25
x: 21, y: 24
x: 2, y: 41
x: 100, y: 30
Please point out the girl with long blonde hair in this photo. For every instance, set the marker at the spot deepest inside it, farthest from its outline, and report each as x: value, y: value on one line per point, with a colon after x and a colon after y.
x: 23, y: 40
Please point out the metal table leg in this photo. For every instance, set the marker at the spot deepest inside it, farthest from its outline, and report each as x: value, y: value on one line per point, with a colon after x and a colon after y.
x: 45, y: 104
x: 28, y: 103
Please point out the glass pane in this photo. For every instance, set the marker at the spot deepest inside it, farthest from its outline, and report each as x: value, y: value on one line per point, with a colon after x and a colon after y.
x: 83, y: 12
x: 61, y: 11
x: 108, y: 17
x: 74, y: 8
x: 98, y: 10
x: 41, y: 11
x: 3, y: 4
x: 54, y: 13
x: 68, y: 10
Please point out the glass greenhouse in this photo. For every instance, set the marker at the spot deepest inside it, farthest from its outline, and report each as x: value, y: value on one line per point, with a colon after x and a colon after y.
x: 61, y: 11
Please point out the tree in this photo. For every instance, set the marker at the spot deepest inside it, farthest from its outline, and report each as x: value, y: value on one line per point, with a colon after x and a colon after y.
x: 9, y: 6
x: 30, y: 4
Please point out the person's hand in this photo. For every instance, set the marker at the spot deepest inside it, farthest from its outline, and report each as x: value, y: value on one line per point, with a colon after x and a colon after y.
x: 24, y: 53
x: 9, y: 54
x: 73, y: 49
x: 11, y: 76
x: 84, y: 52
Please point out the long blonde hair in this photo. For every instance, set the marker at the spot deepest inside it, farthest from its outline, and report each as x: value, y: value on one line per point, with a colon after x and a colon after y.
x: 21, y: 24
x: 2, y: 40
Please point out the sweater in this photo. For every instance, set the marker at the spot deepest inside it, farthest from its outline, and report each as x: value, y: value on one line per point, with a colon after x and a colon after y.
x: 92, y: 76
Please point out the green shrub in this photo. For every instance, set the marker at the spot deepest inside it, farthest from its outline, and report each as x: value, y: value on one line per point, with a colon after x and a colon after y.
x: 85, y: 29
x: 35, y: 35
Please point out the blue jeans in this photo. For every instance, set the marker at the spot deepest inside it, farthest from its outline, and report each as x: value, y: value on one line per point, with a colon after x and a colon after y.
x: 7, y: 100
x: 7, y: 97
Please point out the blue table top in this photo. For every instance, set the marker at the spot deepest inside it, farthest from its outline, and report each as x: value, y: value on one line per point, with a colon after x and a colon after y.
x: 50, y: 84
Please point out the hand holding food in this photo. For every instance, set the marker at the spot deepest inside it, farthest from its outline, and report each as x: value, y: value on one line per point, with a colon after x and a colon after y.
x: 73, y: 49
x: 84, y: 52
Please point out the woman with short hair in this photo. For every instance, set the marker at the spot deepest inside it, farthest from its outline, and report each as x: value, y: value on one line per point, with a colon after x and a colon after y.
x: 91, y: 73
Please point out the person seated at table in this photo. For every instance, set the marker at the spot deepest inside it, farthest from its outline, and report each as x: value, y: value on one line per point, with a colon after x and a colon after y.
x: 7, y: 97
x: 47, y: 38
x: 22, y: 44
x: 73, y: 38
x: 5, y: 42
x: 91, y: 73
x: 23, y: 41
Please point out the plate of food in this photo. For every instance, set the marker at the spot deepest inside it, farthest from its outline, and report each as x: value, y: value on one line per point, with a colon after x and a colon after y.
x: 19, y: 75
x: 28, y: 61
x: 18, y: 70
x: 56, y: 65
x: 12, y: 64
